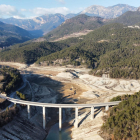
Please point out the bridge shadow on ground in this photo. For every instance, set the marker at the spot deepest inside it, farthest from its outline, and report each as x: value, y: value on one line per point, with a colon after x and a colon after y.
x: 63, y: 98
x: 66, y: 94
x: 96, y: 112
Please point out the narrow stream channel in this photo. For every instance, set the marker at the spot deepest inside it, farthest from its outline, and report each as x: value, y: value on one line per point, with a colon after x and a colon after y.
x: 54, y: 133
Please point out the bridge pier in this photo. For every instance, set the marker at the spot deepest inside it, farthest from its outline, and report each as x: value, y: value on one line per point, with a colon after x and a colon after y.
x: 76, y: 117
x: 60, y: 106
x: 60, y: 118
x: 92, y: 112
x: 15, y: 104
x: 28, y: 110
x: 44, y: 118
x: 107, y: 108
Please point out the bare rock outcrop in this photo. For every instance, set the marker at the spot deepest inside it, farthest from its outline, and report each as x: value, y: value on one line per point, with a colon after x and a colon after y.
x: 22, y: 129
x: 138, y: 9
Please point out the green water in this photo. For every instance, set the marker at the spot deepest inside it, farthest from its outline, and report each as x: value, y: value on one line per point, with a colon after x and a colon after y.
x: 54, y: 133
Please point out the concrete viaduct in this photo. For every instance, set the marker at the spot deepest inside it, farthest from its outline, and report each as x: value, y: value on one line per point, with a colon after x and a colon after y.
x: 60, y: 106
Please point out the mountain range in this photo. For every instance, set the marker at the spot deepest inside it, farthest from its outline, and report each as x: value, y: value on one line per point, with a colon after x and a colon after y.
x: 76, y: 24
x: 83, y: 22
x: 59, y: 25
x: 105, y: 34
x: 39, y: 26
x: 108, y: 12
x: 129, y: 18
x: 10, y: 34
x: 112, y: 48
x: 111, y: 45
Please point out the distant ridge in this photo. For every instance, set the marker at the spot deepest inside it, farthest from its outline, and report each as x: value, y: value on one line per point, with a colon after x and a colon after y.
x: 108, y: 12
x: 129, y: 18
x: 41, y: 25
x: 10, y: 34
x: 138, y: 9
x: 76, y: 24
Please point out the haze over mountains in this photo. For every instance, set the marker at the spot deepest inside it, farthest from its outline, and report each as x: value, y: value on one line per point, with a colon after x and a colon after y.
x: 129, y: 18
x: 104, y: 40
x: 44, y: 24
x: 79, y: 23
x: 83, y: 22
x: 39, y: 25
x: 108, y: 12
x: 99, y: 37
x: 10, y: 34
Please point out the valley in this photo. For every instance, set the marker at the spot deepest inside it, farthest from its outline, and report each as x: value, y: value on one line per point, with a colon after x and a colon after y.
x: 52, y: 83
x: 59, y: 57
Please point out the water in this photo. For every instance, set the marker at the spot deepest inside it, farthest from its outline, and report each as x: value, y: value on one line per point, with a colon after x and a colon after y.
x: 54, y: 133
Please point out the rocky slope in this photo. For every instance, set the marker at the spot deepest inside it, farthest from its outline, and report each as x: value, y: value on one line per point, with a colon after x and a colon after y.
x: 43, y: 24
x: 108, y: 12
x: 39, y: 25
x: 22, y: 128
x: 76, y: 24
x: 98, y: 89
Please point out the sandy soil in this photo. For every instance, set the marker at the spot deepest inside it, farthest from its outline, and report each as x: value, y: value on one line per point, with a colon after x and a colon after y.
x: 13, y: 64
x: 77, y: 84
x: 2, y: 100
x: 77, y: 34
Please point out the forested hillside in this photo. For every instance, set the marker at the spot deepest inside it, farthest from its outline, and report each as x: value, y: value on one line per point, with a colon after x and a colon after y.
x: 10, y: 79
x: 113, y: 49
x: 30, y: 52
x: 122, y: 122
x: 10, y: 34
x: 75, y: 24
x: 96, y: 43
x: 128, y: 18
x: 84, y: 22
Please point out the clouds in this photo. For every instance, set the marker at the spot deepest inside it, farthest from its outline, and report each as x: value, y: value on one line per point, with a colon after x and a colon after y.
x: 42, y: 11
x: 8, y: 10
x: 23, y: 10
x: 61, y: 1
x: 11, y: 11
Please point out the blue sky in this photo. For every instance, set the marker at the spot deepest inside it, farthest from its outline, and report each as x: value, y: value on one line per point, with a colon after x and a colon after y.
x: 32, y: 8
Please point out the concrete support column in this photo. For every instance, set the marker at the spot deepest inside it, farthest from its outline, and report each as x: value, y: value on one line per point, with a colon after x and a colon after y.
x: 92, y: 112
x: 28, y: 110
x: 14, y: 104
x: 60, y: 118
x: 76, y: 117
x: 44, y: 118
x: 107, y: 108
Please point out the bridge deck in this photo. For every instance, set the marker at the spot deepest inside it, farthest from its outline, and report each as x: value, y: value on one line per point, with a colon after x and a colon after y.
x: 59, y: 105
